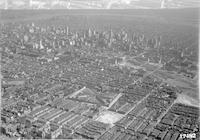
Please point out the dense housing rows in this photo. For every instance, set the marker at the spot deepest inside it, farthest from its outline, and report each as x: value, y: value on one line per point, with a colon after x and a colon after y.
x: 92, y: 84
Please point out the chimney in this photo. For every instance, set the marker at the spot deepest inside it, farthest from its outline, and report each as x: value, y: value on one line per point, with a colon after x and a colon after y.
x: 160, y: 60
x: 67, y: 30
x: 41, y: 46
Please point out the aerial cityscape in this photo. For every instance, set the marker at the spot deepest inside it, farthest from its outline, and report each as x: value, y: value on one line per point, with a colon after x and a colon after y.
x: 91, y: 74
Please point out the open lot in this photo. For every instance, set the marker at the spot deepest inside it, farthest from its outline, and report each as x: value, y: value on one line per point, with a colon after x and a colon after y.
x: 109, y: 117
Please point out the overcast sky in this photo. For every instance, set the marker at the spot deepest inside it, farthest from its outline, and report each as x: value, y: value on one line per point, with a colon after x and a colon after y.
x: 98, y: 4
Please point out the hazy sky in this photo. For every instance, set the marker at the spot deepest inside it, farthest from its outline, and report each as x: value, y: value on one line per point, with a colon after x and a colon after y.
x: 105, y: 4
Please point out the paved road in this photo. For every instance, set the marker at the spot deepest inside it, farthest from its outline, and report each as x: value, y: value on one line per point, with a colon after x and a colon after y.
x: 143, y: 99
x: 116, y: 98
x: 147, y: 94
x: 164, y: 113
x: 130, y: 58
x: 150, y: 73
